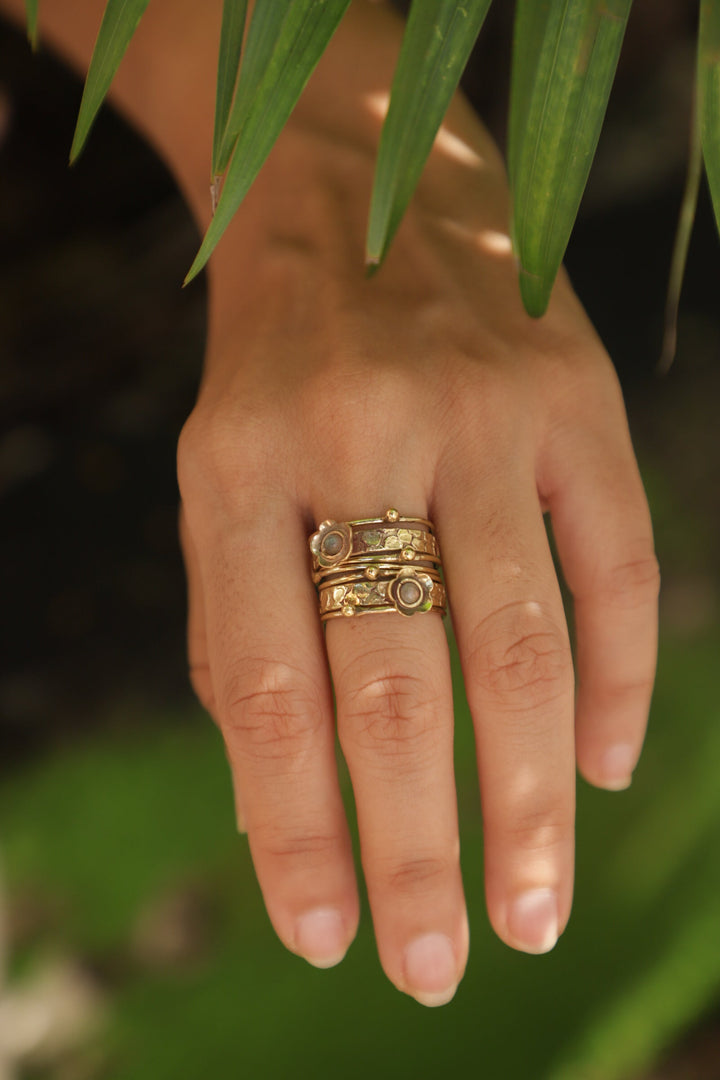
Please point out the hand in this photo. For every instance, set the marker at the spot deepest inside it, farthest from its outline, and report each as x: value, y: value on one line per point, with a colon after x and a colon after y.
x: 428, y: 389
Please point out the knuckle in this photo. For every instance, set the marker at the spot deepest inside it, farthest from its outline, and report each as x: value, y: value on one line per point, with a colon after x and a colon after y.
x: 390, y: 712
x: 274, y: 713
x: 202, y: 446
x: 520, y: 657
x: 540, y: 831
x: 633, y: 583
x: 304, y: 850
x: 416, y: 875
x: 219, y: 450
x: 623, y: 696
x: 575, y: 367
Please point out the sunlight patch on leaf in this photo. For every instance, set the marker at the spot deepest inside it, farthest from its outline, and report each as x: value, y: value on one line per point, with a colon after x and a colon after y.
x: 436, y: 46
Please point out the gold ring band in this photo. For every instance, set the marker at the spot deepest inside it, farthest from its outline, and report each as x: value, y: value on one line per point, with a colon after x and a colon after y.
x: 374, y: 565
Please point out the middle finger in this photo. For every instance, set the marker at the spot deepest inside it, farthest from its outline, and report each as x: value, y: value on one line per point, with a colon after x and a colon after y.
x: 395, y: 724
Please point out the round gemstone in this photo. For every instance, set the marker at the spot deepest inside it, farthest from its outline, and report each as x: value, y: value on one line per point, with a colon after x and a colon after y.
x: 332, y: 543
x: 409, y: 593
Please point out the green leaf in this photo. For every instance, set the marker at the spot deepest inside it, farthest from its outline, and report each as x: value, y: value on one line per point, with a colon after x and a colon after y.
x: 231, y: 38
x: 686, y: 220
x: 31, y: 12
x: 438, y: 40
x: 709, y: 95
x: 559, y: 99
x: 263, y: 36
x: 285, y: 41
x: 119, y: 23
x: 528, y: 32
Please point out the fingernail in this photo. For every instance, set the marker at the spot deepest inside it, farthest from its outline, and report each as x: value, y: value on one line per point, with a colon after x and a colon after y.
x: 431, y: 969
x: 617, y: 767
x: 533, y: 920
x: 320, y: 937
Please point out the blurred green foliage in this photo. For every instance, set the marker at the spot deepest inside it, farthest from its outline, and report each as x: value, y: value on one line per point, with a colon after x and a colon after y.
x: 106, y: 826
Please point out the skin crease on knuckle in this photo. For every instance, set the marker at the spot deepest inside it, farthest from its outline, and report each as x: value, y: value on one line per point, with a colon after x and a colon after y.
x: 271, y: 712
x: 520, y: 657
x: 415, y: 876
x: 305, y: 851
x: 392, y: 716
x: 632, y: 584
x: 536, y: 827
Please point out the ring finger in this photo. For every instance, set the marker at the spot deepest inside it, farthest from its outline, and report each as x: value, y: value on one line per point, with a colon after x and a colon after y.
x: 509, y: 621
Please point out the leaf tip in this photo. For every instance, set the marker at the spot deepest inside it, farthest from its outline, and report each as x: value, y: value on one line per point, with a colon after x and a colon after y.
x: 194, y: 270
x: 535, y: 292
x: 75, y: 150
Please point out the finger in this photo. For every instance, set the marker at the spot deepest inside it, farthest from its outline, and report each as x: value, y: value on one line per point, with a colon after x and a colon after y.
x: 508, y: 617
x: 602, y: 527
x: 394, y: 706
x: 275, y: 709
x: 198, y: 666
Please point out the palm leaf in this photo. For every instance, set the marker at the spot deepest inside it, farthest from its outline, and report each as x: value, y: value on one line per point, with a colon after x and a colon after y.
x: 298, y: 32
x: 559, y: 113
x: 231, y: 38
x: 438, y: 40
x: 118, y: 25
x: 31, y: 13
x: 709, y: 95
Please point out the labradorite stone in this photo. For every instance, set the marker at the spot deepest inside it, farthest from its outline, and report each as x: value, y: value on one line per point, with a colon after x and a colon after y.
x: 332, y: 543
x: 409, y: 593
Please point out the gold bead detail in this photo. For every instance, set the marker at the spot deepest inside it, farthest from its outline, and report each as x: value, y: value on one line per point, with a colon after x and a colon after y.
x: 407, y: 554
x: 371, y: 573
x: 392, y: 515
x: 348, y: 609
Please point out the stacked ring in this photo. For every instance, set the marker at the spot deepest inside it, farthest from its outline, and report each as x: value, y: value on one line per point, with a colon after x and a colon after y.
x: 374, y: 565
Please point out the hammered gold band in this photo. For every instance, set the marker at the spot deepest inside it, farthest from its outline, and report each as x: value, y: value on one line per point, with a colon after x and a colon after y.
x: 374, y: 565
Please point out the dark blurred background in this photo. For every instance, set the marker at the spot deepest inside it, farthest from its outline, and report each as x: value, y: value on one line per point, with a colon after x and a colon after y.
x: 102, y: 748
